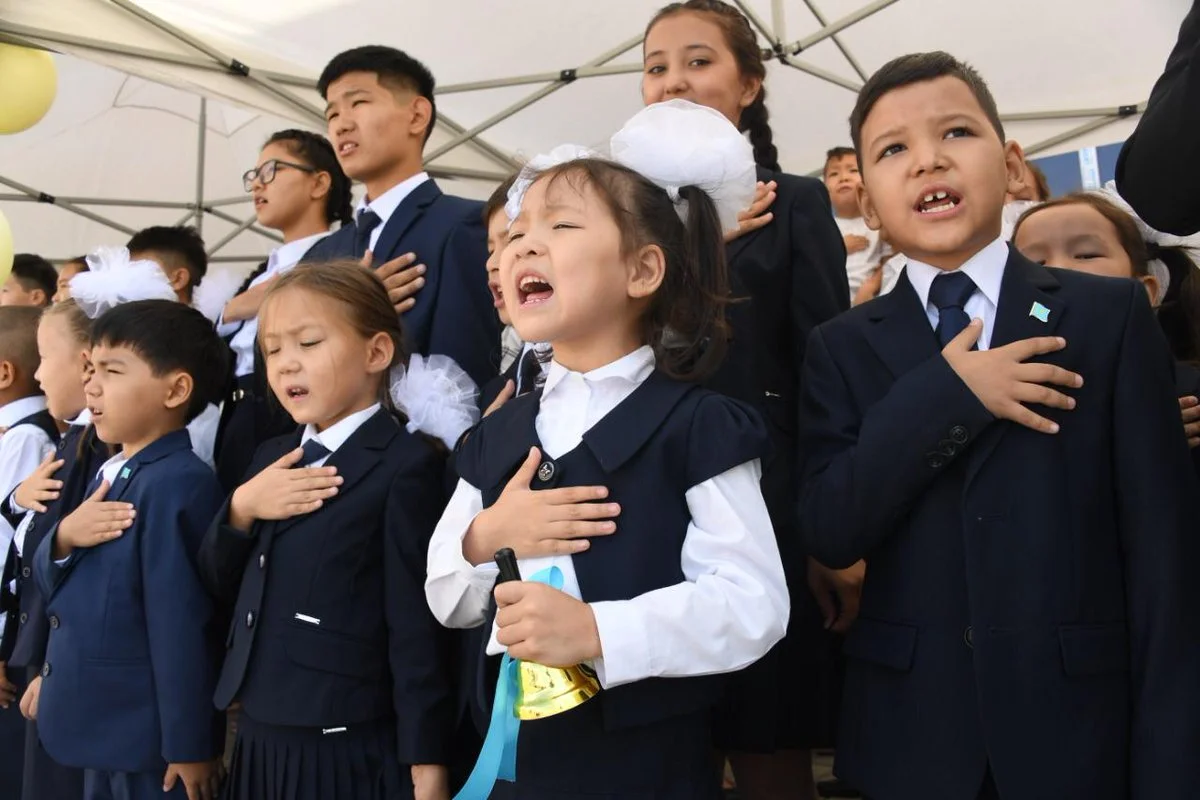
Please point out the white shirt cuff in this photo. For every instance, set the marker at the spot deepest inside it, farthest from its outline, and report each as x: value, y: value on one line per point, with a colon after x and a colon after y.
x: 625, y: 646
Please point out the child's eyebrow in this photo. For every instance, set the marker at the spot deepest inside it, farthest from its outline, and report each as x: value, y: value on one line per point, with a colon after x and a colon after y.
x: 697, y: 46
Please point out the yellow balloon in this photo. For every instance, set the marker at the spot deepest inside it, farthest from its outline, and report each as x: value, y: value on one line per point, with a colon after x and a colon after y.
x: 6, y: 249
x: 28, y: 83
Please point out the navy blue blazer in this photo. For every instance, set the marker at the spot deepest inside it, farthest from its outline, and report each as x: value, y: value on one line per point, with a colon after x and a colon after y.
x: 1030, y: 601
x: 82, y: 454
x: 130, y: 662
x: 453, y: 315
x: 330, y: 625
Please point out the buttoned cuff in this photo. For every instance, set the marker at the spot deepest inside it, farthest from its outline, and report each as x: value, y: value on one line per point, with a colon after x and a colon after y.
x: 626, y: 654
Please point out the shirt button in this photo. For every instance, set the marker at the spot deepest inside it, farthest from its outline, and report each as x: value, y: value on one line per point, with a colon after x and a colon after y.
x: 249, y: 619
x: 262, y: 560
x: 46, y: 670
x: 26, y: 572
x: 24, y: 618
x: 546, y: 471
x: 54, y: 623
x: 969, y: 637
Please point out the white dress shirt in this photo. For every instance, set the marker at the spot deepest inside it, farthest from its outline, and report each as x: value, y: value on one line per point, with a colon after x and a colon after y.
x: 727, y: 613
x: 245, y: 333
x: 21, y: 451
x: 986, y: 270
x: 203, y: 433
x: 336, y: 435
x: 861, y: 264
x: 386, y: 204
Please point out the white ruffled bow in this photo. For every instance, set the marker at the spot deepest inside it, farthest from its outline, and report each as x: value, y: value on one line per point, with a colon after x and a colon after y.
x: 537, y: 165
x: 436, y: 395
x: 112, y: 279
x: 1190, y: 245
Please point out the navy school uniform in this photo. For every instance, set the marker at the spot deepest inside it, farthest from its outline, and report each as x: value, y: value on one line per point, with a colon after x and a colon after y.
x: 1030, y: 606
x: 339, y: 667
x: 650, y: 737
x: 789, y: 276
x: 82, y: 454
x: 454, y: 314
x: 130, y: 660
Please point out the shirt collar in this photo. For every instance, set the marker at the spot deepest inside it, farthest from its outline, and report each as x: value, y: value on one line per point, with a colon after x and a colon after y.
x: 985, y: 269
x: 83, y: 419
x: 632, y: 368
x: 287, y: 255
x: 336, y: 435
x: 17, y: 410
x: 387, y: 203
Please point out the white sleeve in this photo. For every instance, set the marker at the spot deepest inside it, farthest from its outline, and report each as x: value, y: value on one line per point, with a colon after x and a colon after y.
x: 729, y: 611
x: 458, y: 593
x: 203, y: 433
x: 21, y: 451
x: 227, y: 329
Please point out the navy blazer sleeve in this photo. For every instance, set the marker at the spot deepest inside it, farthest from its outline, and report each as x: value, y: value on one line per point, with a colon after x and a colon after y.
x: 222, y: 557
x: 1158, y: 531
x: 862, y: 468
x: 1167, y: 136
x: 466, y: 327
x: 820, y: 288
x: 419, y: 648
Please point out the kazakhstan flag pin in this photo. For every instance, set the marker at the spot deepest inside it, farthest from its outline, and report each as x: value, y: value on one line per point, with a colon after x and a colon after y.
x: 1039, y: 312
x: 125, y: 472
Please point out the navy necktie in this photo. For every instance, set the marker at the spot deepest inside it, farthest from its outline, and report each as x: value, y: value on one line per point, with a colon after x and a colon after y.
x: 313, y: 451
x: 364, y: 225
x: 950, y: 292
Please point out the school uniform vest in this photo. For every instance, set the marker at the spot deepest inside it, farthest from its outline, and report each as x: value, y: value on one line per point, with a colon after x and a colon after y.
x: 665, y: 438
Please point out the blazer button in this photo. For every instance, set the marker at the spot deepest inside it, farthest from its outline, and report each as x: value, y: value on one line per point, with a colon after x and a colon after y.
x: 262, y: 560
x: 948, y: 448
x: 53, y: 622
x: 969, y: 637
x: 24, y: 618
x: 249, y: 619
x: 935, y: 460
x: 959, y: 434
x: 46, y: 670
x: 546, y: 471
x: 26, y: 572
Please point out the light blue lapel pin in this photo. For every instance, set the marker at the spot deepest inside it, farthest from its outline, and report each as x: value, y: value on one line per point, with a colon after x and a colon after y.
x: 1039, y: 312
x: 125, y: 473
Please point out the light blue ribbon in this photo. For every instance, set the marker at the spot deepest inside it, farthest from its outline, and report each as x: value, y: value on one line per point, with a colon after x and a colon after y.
x: 498, y: 759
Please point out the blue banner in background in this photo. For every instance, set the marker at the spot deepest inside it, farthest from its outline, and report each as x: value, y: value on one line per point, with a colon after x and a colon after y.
x: 1064, y: 172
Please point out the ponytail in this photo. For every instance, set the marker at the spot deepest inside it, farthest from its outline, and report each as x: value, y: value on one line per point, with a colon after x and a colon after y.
x: 1179, y: 314
x: 755, y: 122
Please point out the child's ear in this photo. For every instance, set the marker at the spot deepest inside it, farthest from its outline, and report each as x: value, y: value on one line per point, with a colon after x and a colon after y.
x: 1152, y: 288
x: 179, y: 278
x: 422, y: 113
x: 380, y: 352
x: 868, y: 208
x: 8, y: 375
x: 1014, y: 166
x: 321, y: 185
x: 179, y: 390
x: 646, y: 272
x: 750, y: 90
x: 38, y: 298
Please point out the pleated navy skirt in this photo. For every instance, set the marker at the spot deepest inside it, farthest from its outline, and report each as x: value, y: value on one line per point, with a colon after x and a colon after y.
x: 273, y: 762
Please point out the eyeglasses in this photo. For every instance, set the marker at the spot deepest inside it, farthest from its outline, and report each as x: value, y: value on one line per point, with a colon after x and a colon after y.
x: 266, y: 173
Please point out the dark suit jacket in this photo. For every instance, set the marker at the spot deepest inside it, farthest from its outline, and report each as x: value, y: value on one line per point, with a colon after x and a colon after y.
x: 130, y: 662
x: 1030, y: 599
x: 343, y: 635
x: 453, y: 315
x: 1159, y: 166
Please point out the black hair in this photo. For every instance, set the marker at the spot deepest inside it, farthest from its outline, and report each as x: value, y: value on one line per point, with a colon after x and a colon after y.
x: 394, y: 68
x: 839, y: 152
x: 18, y: 341
x: 178, y: 245
x: 34, y: 272
x: 743, y: 44
x: 685, y: 322
x: 919, y: 68
x: 1179, y: 313
x: 498, y: 200
x: 314, y: 150
x: 170, y: 336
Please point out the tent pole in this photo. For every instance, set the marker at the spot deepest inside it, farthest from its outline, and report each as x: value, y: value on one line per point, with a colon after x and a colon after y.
x: 816, y: 12
x: 200, y: 153
x: 1077, y: 113
x: 565, y: 78
x: 42, y: 197
x: 272, y: 235
x: 778, y: 20
x: 542, y: 77
x: 1074, y: 133
x: 801, y: 45
x: 756, y: 21
x: 823, y: 74
x: 233, y: 234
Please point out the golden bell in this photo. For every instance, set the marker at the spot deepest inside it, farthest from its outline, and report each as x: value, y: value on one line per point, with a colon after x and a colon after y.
x: 545, y: 691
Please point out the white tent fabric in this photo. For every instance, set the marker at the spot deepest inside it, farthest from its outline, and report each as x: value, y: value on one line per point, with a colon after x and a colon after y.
x: 1060, y: 69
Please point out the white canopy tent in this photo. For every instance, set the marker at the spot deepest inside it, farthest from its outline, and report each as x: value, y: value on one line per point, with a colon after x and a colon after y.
x: 163, y: 103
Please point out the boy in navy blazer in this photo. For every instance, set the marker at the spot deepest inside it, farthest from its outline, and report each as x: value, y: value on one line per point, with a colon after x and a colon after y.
x: 380, y: 112
x: 1001, y: 443
x: 130, y: 664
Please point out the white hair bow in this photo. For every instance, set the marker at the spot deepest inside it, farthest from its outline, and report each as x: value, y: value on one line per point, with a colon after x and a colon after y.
x: 112, y: 279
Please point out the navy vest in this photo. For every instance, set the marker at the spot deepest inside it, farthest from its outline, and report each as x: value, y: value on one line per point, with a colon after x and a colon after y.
x: 662, y: 440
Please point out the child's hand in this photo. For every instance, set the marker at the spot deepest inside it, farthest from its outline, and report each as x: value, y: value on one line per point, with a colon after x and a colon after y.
x: 757, y: 215
x: 1002, y: 381
x: 430, y: 782
x: 505, y: 395
x: 201, y: 779
x: 542, y: 523
x: 843, y: 584
x: 281, y: 492
x: 96, y: 521
x: 29, y: 700
x: 545, y: 625
x: 245, y: 305
x: 401, y: 281
x: 8, y: 691
x: 39, y: 488
x: 1190, y: 408
x: 855, y: 243
x: 870, y: 287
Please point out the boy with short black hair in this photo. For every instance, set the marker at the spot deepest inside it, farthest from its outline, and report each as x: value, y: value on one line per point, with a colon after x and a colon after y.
x: 178, y: 250
x: 380, y: 111
x: 32, y: 282
x: 865, y: 248
x: 127, y: 686
x: 1000, y: 441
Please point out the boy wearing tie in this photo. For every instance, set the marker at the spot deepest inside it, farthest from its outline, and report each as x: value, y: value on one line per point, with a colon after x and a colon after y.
x: 1008, y: 459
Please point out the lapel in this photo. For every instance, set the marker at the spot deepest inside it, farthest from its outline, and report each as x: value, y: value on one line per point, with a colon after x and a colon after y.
x: 506, y: 438
x: 1026, y: 286
x: 622, y: 432
x: 734, y: 248
x: 900, y: 332
x: 354, y: 459
x: 406, y: 214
